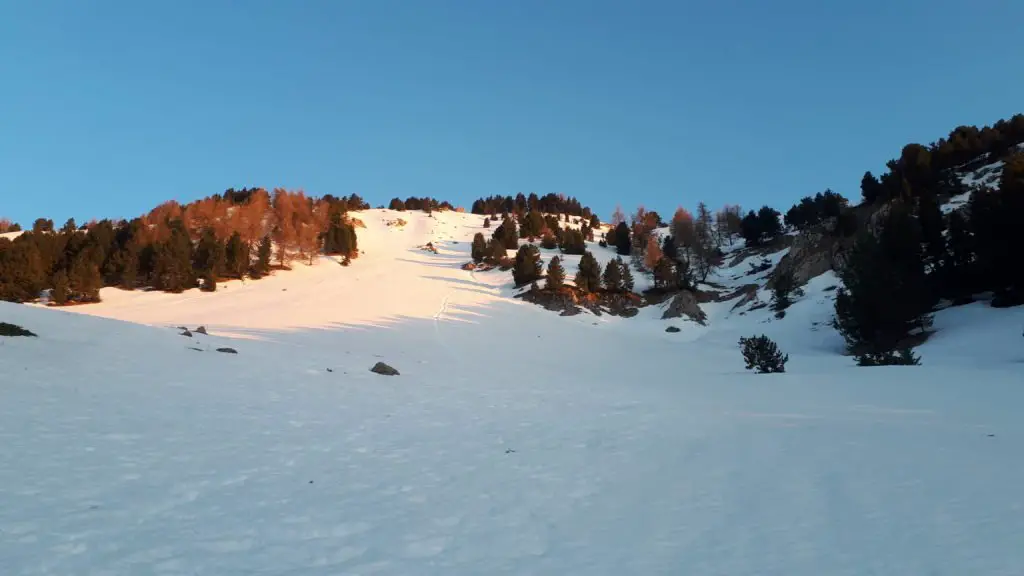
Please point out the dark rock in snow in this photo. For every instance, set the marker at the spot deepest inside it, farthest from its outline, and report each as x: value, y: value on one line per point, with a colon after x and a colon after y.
x: 227, y: 350
x: 384, y: 370
x: 186, y: 333
x: 672, y: 329
x: 201, y: 330
x: 685, y: 304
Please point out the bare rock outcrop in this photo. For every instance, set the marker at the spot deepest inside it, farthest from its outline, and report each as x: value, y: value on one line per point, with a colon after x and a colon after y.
x: 685, y: 303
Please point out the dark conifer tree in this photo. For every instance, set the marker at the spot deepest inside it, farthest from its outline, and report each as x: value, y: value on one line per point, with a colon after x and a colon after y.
x: 479, y: 248
x: 263, y: 254
x: 556, y: 275
x: 933, y: 225
x: 572, y: 242
x: 527, y: 266
x: 623, y: 239
x: 870, y: 188
x: 236, y: 256
x: 627, y: 275
x: 588, y: 275
x: 172, y: 267
x: 209, y: 258
x: 958, y: 262
x: 782, y: 290
x: 665, y: 274
x: 61, y: 288
x: 886, y: 292
x: 507, y: 233
x: 85, y: 279
x: 612, y: 276
x: 532, y: 225
x: 669, y: 249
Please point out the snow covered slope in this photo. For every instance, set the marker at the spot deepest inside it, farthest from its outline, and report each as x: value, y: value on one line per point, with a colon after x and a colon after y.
x: 514, y: 441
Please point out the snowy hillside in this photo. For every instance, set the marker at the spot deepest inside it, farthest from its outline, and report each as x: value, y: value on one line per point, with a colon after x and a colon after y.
x: 514, y: 441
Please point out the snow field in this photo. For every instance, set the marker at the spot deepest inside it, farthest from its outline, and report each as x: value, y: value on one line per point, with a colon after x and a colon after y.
x: 514, y: 442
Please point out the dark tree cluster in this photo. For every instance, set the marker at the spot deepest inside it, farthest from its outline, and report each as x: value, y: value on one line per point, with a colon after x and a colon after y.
x: 761, y: 226
x: 813, y: 210
x: 887, y: 294
x: 174, y: 247
x: 521, y: 204
x: 923, y: 170
x: 426, y: 204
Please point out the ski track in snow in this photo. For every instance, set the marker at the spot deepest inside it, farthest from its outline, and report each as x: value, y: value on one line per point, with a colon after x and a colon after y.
x: 540, y: 445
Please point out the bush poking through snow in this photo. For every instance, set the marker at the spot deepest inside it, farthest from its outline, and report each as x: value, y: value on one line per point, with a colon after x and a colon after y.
x: 903, y: 357
x: 763, y: 355
x: 13, y: 330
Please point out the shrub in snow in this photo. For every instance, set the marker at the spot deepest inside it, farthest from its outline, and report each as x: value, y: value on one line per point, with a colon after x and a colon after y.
x: 903, y: 357
x: 763, y: 355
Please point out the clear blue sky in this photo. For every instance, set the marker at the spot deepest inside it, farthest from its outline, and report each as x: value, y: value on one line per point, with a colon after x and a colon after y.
x: 109, y: 107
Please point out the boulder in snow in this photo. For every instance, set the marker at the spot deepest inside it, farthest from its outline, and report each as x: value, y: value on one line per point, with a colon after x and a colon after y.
x: 384, y: 370
x: 685, y: 304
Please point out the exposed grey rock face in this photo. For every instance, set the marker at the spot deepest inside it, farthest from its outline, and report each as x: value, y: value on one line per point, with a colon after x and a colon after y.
x: 685, y: 304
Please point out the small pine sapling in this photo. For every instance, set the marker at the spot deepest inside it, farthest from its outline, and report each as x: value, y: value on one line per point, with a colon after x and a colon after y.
x: 763, y: 355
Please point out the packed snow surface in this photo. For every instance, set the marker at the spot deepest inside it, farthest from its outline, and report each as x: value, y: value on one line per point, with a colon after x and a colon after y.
x: 514, y: 441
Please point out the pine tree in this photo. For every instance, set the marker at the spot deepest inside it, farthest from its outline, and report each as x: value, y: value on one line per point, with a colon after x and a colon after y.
x: 527, y: 266
x: 763, y: 355
x: 479, y: 249
x: 782, y: 290
x: 209, y: 258
x: 572, y: 242
x: 933, y: 225
x: 627, y: 275
x: 613, y: 276
x: 886, y: 292
x: 664, y: 274
x: 532, y: 225
x: 623, y: 239
x: 870, y: 188
x: 507, y: 234
x: 556, y: 275
x: 85, y: 279
x: 263, y: 254
x: 61, y: 288
x: 236, y: 256
x: 588, y: 275
x: 487, y: 222
x: 958, y: 261
x: 669, y: 249
x: 704, y: 247
x: 172, y: 267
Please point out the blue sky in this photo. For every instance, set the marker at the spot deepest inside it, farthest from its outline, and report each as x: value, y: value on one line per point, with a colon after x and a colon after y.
x: 110, y: 107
